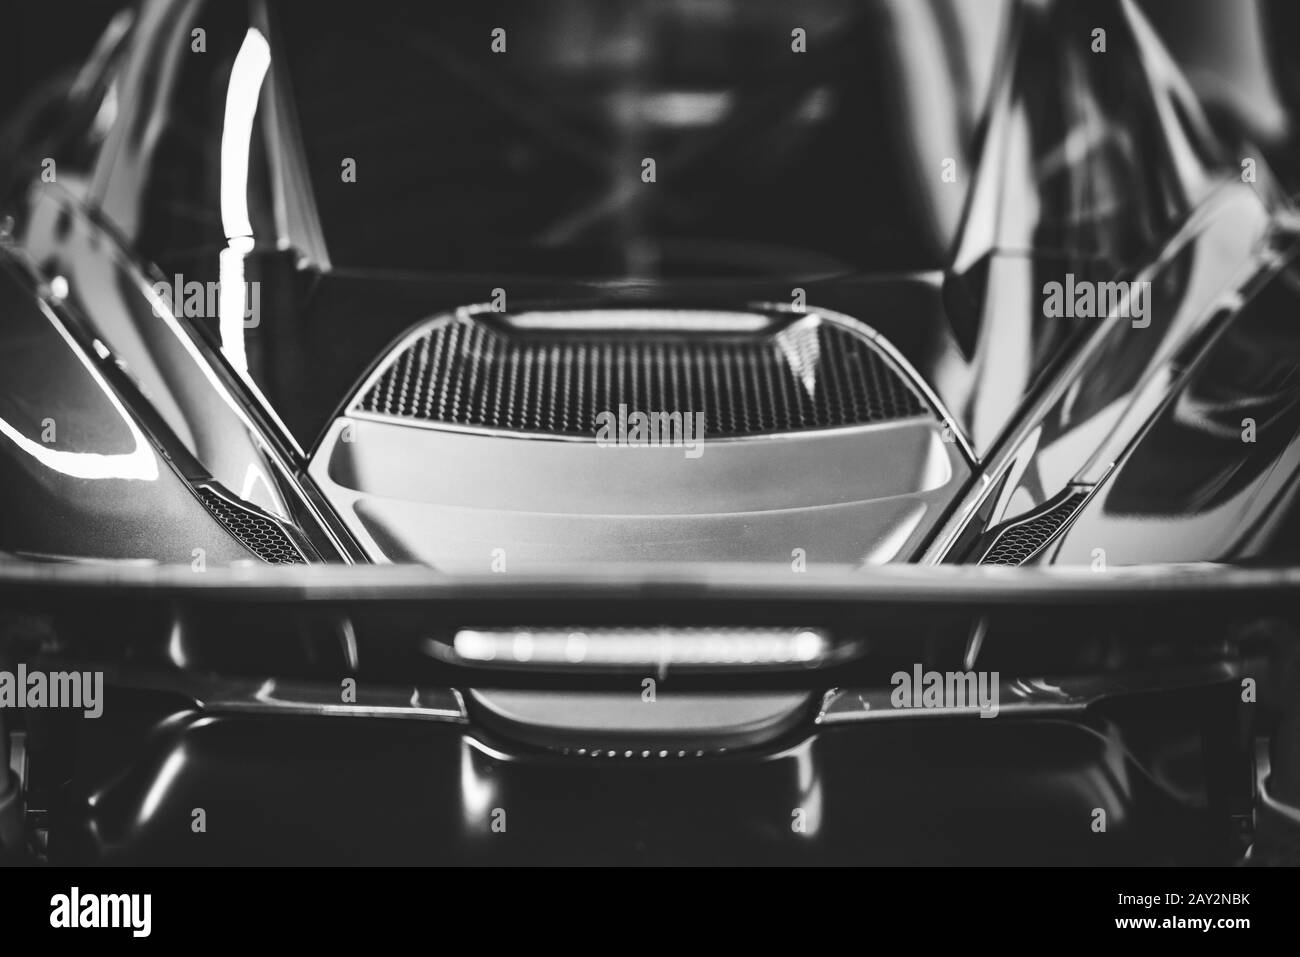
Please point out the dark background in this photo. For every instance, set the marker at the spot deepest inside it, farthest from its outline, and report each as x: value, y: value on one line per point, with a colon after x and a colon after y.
x: 42, y: 40
x: 39, y: 40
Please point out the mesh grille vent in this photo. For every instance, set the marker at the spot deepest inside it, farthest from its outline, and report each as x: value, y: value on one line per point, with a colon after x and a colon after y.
x: 810, y: 375
x: 1019, y: 542
x: 647, y: 754
x: 261, y: 535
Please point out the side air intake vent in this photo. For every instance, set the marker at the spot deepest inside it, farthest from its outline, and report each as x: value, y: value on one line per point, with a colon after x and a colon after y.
x: 474, y: 372
x: 261, y: 534
x: 1024, y: 538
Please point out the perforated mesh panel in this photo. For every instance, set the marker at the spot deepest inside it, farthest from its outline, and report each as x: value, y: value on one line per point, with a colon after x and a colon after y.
x: 1019, y: 542
x: 260, y: 535
x: 644, y: 754
x: 810, y: 375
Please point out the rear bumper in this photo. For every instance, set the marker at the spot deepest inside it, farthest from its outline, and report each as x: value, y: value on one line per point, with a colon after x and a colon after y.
x: 1104, y: 769
x: 322, y: 790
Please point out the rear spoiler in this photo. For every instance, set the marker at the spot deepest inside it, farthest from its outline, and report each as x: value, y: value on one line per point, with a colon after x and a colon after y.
x: 908, y: 589
x: 398, y: 624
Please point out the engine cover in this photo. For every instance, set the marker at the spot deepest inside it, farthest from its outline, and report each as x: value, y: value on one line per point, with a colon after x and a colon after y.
x: 522, y: 440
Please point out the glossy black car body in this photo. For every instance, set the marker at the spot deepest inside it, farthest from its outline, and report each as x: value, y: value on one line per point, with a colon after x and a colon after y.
x: 1140, y: 463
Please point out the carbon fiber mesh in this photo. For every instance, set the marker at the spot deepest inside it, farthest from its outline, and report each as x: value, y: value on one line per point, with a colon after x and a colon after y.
x: 810, y: 375
x: 260, y: 535
x: 1017, y: 543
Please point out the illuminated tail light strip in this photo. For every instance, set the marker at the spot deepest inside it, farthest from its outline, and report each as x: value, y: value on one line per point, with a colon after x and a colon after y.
x: 643, y: 647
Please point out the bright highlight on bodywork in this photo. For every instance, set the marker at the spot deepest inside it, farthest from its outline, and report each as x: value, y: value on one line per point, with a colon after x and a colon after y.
x: 245, y: 88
